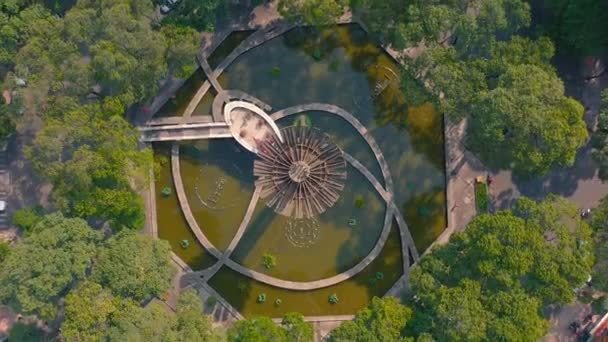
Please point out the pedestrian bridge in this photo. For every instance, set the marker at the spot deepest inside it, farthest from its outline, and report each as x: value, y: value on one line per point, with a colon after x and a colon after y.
x: 210, y: 130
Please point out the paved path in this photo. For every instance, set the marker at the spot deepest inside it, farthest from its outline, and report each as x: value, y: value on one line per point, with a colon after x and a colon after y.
x: 225, y: 96
x: 185, y: 132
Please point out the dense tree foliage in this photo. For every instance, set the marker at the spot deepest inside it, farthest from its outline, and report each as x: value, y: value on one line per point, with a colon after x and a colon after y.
x: 92, y: 313
x: 600, y: 138
x: 600, y: 225
x: 91, y: 156
x: 312, y: 12
x: 519, y: 115
x: 577, y: 26
x: 491, y: 281
x: 40, y: 269
x: 134, y: 266
x: 526, y: 123
x: 383, y: 320
x: 200, y: 15
x: 471, y: 24
x: 26, y: 332
x: 292, y: 328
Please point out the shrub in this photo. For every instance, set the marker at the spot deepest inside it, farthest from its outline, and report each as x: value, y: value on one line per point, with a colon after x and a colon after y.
x: 316, y: 54
x: 4, y: 250
x: 359, y: 201
x: 481, y: 197
x: 184, y: 243
x: 334, y: 65
x: 275, y: 71
x: 269, y: 261
x: 27, y: 218
x: 333, y: 299
x: 211, y: 301
x: 261, y: 298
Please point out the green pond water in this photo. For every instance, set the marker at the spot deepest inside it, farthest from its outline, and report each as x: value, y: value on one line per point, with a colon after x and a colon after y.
x: 172, y: 225
x: 355, y: 293
x: 339, y: 66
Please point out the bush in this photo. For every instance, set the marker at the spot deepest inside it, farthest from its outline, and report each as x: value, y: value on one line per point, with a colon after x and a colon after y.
x: 269, y: 261
x: 275, y: 71
x: 359, y: 202
x: 482, y: 200
x: 261, y: 298
x: 334, y: 65
x: 211, y: 301
x: 27, y: 218
x: 4, y: 250
x: 333, y: 299
x: 25, y: 333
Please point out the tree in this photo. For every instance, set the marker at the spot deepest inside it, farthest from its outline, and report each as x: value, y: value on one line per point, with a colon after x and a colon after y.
x: 92, y: 158
x: 88, y: 309
x: 600, y: 225
x: 192, y: 325
x: 182, y: 45
x: 5, y: 249
x: 134, y: 266
x: 492, y: 281
x: 256, y: 329
x: 526, y: 123
x: 383, y: 320
x: 296, y: 329
x: 24, y: 332
x: 43, y: 267
x: 577, y: 26
x: 600, y: 138
x: 27, y: 218
x: 200, y: 15
x: 312, y: 12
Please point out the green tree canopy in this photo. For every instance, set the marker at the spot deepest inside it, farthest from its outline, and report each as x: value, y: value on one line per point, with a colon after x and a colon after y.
x: 91, y: 157
x: 600, y: 225
x: 577, y: 26
x: 383, y: 320
x: 134, y: 266
x: 87, y: 312
x: 256, y: 329
x: 526, y: 123
x: 296, y: 329
x: 43, y: 267
x: 312, y: 12
x: 23, y: 332
x: 199, y: 15
x: 491, y: 281
x: 600, y: 138
x: 93, y: 313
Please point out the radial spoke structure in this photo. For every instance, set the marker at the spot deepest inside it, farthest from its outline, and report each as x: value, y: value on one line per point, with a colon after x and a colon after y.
x: 302, y: 176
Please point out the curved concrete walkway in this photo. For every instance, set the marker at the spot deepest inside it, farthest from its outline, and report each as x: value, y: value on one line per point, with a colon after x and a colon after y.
x: 254, y: 40
x: 406, y: 236
x: 228, y: 110
x: 225, y: 96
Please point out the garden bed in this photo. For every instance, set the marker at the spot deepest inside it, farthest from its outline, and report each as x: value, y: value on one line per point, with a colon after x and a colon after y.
x: 482, y: 198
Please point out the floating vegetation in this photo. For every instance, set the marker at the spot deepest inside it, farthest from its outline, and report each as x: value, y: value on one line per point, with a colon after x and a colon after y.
x: 166, y: 191
x: 278, y: 302
x: 334, y: 65
x: 261, y: 298
x: 275, y: 71
x: 352, y: 222
x: 269, y: 261
x: 316, y: 54
x: 333, y: 299
x: 360, y: 202
x: 379, y: 275
x: 185, y: 243
x: 302, y: 120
